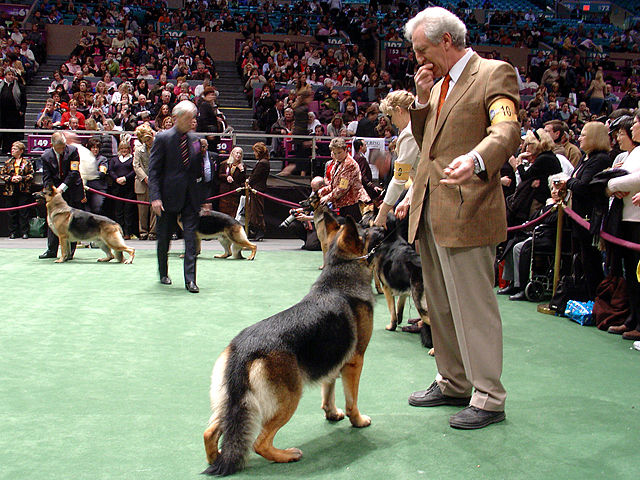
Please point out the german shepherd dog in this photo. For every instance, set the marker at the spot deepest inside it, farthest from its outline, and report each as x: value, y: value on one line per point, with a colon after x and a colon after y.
x: 227, y: 230
x: 258, y: 379
x: 71, y: 224
x: 397, y: 267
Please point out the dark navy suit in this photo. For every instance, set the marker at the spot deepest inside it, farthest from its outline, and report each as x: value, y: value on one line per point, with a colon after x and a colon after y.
x: 181, y: 190
x: 65, y: 171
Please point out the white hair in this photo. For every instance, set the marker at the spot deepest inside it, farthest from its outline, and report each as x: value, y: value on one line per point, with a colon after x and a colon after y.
x: 58, y: 138
x: 436, y: 21
x: 184, y: 107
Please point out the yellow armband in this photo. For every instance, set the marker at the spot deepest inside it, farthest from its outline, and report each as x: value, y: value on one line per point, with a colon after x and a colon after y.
x: 344, y: 183
x: 502, y: 110
x: 401, y: 171
x: 103, y: 169
x: 74, y: 166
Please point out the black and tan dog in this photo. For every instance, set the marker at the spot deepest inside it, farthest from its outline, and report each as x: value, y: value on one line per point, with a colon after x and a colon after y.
x: 71, y: 225
x: 397, y: 267
x: 258, y: 379
x: 227, y: 230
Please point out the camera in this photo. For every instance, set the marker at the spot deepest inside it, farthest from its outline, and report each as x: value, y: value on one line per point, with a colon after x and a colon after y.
x: 306, y: 209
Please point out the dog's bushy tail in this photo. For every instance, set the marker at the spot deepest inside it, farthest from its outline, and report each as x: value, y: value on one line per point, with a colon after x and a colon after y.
x: 238, y: 422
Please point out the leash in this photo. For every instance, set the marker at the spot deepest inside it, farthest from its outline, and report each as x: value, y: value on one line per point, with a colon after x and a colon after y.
x: 391, y: 232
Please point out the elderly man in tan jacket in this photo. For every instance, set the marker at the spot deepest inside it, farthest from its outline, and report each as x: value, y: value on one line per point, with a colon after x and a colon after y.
x: 466, y: 125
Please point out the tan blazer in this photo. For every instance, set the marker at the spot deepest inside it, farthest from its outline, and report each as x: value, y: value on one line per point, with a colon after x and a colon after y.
x: 141, y: 167
x: 479, y: 218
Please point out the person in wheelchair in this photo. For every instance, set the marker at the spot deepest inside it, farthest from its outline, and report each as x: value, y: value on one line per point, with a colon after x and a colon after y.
x: 518, y: 265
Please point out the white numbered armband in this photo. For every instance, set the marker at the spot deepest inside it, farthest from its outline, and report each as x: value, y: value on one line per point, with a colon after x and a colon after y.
x: 401, y: 171
x: 502, y: 110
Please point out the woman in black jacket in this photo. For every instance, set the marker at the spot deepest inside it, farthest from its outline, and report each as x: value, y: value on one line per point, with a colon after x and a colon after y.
x: 594, y: 141
x: 258, y: 181
x: 533, y: 166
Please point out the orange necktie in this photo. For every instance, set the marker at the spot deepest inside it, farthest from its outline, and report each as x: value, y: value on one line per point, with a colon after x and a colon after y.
x: 443, y: 93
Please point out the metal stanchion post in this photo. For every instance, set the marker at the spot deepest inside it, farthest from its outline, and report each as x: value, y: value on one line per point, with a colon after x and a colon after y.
x: 544, y: 307
x: 247, y: 189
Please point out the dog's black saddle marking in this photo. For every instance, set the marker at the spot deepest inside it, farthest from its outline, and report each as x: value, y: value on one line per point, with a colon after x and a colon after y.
x: 215, y: 222
x: 82, y: 221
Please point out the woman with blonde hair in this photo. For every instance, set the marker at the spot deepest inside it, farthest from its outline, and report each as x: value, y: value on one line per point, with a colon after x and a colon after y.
x: 396, y: 105
x: 231, y: 176
x: 596, y: 93
x: 533, y: 166
x: 146, y: 217
x: 594, y: 141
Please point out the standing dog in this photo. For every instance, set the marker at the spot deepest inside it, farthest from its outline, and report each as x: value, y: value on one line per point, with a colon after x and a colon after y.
x: 71, y: 224
x: 396, y: 265
x: 227, y: 230
x: 258, y: 379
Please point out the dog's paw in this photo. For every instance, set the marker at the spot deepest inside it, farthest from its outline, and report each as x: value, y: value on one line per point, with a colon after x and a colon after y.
x: 128, y: 261
x: 432, y: 352
x: 105, y: 259
x: 292, y: 455
x: 334, y: 416
x: 360, y: 421
x: 60, y: 260
x: 391, y: 327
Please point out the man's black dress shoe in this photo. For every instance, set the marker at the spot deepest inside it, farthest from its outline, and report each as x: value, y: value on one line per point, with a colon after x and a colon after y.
x: 433, y: 397
x: 48, y: 254
x: 518, y: 296
x: 192, y: 287
x: 165, y: 280
x: 12, y: 236
x: 510, y: 290
x: 473, y: 417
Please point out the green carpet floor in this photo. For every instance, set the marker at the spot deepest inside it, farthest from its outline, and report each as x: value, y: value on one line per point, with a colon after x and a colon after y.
x: 104, y: 374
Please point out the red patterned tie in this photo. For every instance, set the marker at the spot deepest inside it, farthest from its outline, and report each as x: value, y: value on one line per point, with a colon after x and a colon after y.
x: 443, y: 93
x: 184, y: 150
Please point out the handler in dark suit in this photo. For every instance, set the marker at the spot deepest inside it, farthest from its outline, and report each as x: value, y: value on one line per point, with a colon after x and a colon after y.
x: 466, y: 125
x: 61, y: 168
x: 176, y: 188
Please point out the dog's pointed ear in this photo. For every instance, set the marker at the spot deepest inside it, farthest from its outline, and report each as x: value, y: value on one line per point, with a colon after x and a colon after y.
x: 331, y: 223
x: 349, y: 239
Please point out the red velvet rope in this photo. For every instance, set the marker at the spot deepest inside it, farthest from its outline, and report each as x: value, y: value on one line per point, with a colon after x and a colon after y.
x: 530, y: 223
x: 279, y: 200
x: 604, y: 235
x: 21, y: 207
x: 140, y: 202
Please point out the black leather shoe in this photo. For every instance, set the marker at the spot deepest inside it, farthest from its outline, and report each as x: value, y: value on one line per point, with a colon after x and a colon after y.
x: 433, y: 397
x: 192, y: 287
x: 518, y: 296
x: 25, y: 236
x: 47, y: 254
x: 510, y: 290
x: 165, y: 280
x: 473, y: 417
x: 12, y: 236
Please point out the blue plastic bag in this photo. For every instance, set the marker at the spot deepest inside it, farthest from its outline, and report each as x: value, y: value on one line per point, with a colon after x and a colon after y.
x: 580, y: 312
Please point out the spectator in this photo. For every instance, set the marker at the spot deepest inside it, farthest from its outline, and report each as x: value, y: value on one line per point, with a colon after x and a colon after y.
x: 360, y: 150
x: 17, y: 174
x: 337, y: 124
x: 146, y: 217
x: 367, y: 126
x: 594, y: 141
x: 624, y: 188
x: 533, y: 166
x: 596, y: 93
x: 58, y: 79
x: 209, y: 119
x: 258, y: 181
x: 123, y: 176
x: 231, y: 176
x: 48, y: 112
x: 13, y: 105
